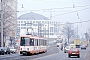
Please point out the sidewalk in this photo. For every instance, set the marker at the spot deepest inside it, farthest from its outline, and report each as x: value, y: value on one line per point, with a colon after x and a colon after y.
x: 87, y: 55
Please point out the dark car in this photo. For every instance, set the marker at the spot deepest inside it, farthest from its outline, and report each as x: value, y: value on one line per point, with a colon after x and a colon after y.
x: 1, y: 51
x: 7, y: 50
x: 74, y: 52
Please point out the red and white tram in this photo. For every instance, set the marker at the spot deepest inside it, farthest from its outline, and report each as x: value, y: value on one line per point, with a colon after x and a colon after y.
x: 32, y: 44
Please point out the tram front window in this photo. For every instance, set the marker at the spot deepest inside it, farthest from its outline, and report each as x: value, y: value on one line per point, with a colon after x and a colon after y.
x: 24, y: 41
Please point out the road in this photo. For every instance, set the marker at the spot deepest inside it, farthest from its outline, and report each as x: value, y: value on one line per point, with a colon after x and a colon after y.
x: 63, y: 56
x: 51, y: 50
x: 53, y: 53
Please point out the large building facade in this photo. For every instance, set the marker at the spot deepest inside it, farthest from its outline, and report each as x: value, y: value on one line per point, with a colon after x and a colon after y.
x: 39, y: 25
x: 8, y: 16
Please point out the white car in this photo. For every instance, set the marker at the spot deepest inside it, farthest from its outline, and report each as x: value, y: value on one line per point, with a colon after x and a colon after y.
x: 12, y: 49
x: 66, y: 49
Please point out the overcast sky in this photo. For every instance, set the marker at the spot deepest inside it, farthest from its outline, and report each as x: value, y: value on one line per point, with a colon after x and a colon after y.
x: 61, y: 10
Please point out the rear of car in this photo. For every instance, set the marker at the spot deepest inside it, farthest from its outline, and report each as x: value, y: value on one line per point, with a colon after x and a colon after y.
x: 6, y: 50
x: 83, y: 46
x: 12, y: 50
x: 74, y: 52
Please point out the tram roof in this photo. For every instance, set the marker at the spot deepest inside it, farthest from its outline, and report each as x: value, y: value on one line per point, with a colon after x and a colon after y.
x: 31, y: 36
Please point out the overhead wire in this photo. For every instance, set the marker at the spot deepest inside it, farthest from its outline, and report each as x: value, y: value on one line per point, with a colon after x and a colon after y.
x: 49, y: 9
x: 70, y: 12
x: 87, y: 7
x: 76, y: 22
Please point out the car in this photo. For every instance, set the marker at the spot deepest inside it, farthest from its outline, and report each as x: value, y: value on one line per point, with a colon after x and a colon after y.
x: 66, y: 49
x: 12, y: 49
x: 83, y: 46
x: 2, y: 51
x: 74, y: 52
x: 6, y: 50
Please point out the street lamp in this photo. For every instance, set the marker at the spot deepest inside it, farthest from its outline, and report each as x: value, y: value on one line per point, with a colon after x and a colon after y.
x: 45, y: 31
x: 1, y: 23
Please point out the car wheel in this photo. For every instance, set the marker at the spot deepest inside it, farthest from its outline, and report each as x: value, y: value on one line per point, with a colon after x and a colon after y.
x: 9, y: 53
x: 69, y: 55
x: 78, y: 56
x: 64, y: 51
x: 2, y: 53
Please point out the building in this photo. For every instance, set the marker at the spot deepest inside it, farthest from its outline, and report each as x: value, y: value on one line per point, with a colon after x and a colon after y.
x: 8, y: 16
x: 39, y: 25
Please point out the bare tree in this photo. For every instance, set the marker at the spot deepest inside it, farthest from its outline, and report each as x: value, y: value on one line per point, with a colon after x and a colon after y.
x: 89, y: 33
x: 68, y: 31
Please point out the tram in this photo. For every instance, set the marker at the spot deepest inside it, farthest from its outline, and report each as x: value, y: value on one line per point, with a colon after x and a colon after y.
x: 30, y: 44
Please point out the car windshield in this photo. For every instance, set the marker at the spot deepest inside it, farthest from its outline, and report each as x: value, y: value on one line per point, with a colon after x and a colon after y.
x: 67, y: 47
x: 11, y: 47
x: 82, y: 45
x: 74, y: 49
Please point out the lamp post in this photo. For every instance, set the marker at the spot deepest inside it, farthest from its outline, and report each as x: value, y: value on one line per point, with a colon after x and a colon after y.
x: 45, y: 30
x: 1, y: 23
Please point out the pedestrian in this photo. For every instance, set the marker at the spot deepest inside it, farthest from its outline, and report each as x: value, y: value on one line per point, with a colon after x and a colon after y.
x: 62, y: 47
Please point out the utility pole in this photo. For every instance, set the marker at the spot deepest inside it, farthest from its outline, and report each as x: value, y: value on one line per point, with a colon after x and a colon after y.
x: 77, y: 31
x: 1, y: 23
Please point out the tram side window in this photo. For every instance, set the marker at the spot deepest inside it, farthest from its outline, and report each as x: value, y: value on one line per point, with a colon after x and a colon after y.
x: 31, y: 42
x: 45, y: 42
x: 37, y: 43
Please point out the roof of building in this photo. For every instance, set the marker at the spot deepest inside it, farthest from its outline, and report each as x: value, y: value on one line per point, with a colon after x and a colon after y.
x: 32, y: 16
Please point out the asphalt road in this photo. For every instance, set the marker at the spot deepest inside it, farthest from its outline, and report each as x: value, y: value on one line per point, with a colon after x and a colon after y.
x: 51, y: 50
x: 63, y: 56
x: 53, y: 53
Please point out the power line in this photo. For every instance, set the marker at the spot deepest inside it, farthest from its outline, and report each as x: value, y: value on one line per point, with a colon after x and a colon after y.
x: 51, y: 8
x: 70, y: 12
x: 76, y: 22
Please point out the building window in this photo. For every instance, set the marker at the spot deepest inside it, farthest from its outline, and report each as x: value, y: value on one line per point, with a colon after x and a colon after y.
x: 36, y: 21
x: 27, y: 21
x: 24, y: 21
x: 55, y: 30
x: 18, y: 24
x: 51, y: 29
x: 23, y: 27
x: 21, y: 21
x: 23, y: 24
x: 30, y: 24
x: 18, y: 27
x: 35, y: 24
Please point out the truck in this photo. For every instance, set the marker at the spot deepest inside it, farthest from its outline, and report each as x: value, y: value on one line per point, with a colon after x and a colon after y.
x: 85, y: 42
x: 59, y: 42
x: 77, y: 43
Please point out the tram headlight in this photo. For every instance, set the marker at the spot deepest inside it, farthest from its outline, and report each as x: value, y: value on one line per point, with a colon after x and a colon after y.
x: 28, y: 49
x: 21, y: 49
